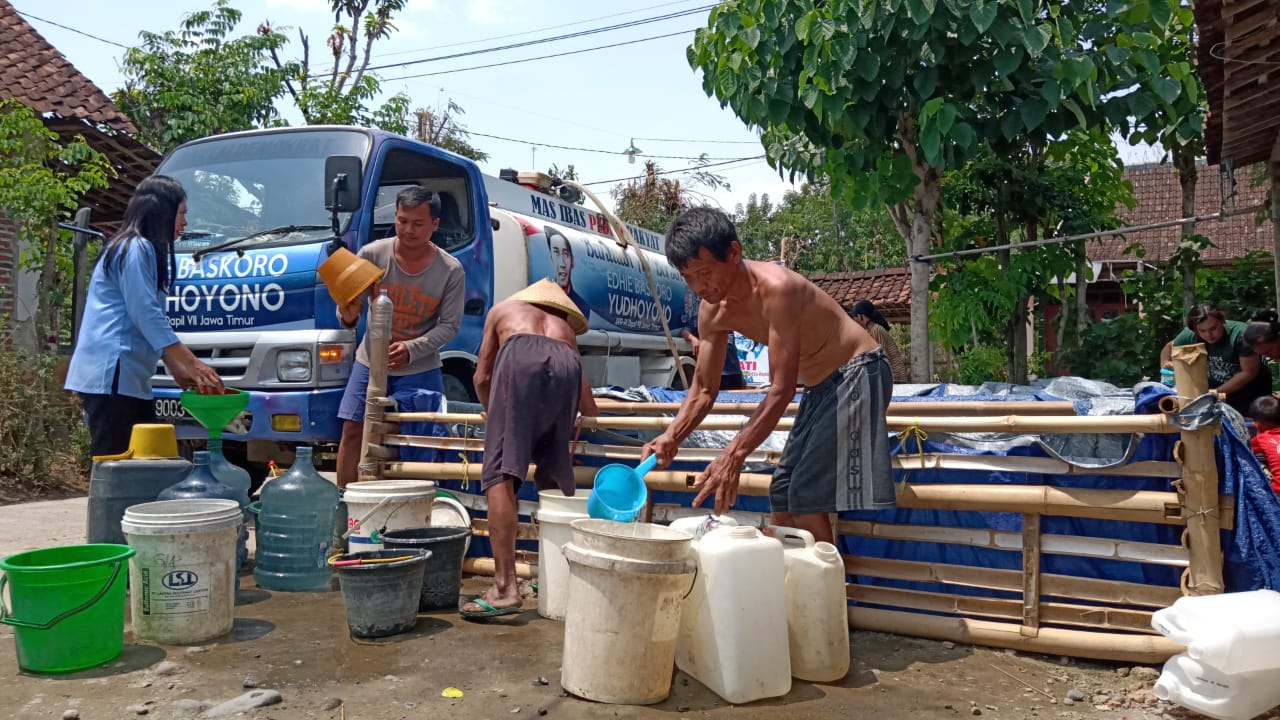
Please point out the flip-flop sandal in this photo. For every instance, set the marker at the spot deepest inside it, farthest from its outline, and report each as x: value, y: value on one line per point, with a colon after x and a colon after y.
x: 489, y: 610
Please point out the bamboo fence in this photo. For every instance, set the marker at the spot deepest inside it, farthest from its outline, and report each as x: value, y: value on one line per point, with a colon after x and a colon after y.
x: 1025, y: 608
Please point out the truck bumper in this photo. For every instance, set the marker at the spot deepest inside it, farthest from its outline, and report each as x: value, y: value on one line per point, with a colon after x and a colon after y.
x: 315, y: 412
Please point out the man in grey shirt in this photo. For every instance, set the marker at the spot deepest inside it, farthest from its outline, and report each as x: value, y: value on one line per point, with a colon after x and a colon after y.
x: 426, y: 286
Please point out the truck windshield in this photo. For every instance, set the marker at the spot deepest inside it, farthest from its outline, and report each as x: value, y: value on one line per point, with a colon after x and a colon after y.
x: 263, y: 189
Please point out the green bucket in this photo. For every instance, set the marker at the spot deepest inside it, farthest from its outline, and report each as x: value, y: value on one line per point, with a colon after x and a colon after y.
x: 67, y: 605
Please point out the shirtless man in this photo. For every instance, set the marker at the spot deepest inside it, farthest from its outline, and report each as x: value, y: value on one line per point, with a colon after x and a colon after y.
x: 837, y: 456
x: 529, y: 378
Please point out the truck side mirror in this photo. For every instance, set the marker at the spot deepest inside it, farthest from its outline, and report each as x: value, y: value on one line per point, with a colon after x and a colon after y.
x: 342, y: 183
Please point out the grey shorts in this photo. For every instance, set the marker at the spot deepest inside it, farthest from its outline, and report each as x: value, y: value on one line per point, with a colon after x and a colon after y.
x: 837, y: 455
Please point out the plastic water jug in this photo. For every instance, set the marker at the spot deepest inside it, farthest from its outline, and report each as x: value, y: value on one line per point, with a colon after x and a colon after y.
x: 295, y: 528
x: 817, y: 610
x: 1217, y: 694
x: 238, y: 479
x: 733, y: 628
x: 115, y: 485
x: 699, y: 525
x: 1232, y: 632
x: 202, y: 484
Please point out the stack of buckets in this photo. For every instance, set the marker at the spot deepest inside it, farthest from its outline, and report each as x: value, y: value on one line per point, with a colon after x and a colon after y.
x: 1230, y: 670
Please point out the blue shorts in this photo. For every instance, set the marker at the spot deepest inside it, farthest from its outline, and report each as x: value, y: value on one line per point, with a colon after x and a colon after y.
x: 353, y: 399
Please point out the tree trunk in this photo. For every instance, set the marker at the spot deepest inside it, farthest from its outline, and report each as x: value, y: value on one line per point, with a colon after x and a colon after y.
x: 920, y: 213
x: 1185, y: 162
x: 1082, y: 296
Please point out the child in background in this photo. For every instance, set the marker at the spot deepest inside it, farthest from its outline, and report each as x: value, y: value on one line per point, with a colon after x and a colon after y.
x: 1265, y: 413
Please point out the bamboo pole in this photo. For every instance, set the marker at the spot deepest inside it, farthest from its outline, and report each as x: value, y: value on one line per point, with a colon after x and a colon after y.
x: 1198, y: 488
x: 1030, y: 574
x: 1014, y: 424
x: 1093, y: 617
x: 1115, y: 647
x: 669, y: 480
x: 484, y: 566
x: 1069, y: 586
x: 1126, y: 505
x: 524, y: 531
x: 378, y: 339
x: 1073, y: 545
x: 924, y: 407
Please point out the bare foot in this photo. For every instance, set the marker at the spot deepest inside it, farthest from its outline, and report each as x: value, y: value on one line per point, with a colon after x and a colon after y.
x: 494, y: 599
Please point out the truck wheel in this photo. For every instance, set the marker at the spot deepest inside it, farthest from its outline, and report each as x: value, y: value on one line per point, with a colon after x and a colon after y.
x: 457, y: 382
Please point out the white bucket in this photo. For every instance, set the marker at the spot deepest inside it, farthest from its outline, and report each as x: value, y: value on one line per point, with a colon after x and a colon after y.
x: 376, y: 506
x: 628, y: 582
x: 555, y: 512
x: 182, y: 581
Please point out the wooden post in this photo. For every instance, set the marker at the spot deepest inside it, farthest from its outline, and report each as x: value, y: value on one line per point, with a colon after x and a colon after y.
x: 1275, y: 213
x: 1030, y: 575
x: 1198, y: 488
x: 378, y: 341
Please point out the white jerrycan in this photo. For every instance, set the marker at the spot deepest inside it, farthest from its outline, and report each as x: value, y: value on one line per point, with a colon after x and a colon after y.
x: 699, y: 525
x: 817, y: 610
x: 1231, y: 632
x: 733, y: 628
x: 1204, y: 689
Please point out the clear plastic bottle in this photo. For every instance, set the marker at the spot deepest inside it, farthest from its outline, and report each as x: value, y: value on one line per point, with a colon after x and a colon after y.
x: 380, y: 317
x: 203, y: 483
x: 295, y: 528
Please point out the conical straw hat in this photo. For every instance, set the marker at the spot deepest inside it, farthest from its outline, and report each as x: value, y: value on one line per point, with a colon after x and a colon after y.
x: 549, y: 295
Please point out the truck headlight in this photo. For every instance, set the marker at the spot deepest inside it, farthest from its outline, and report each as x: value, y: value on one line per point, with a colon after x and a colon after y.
x: 293, y: 365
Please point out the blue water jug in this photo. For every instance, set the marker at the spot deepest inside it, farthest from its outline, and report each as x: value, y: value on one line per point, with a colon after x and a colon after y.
x: 238, y: 479
x: 295, y: 528
x: 202, y: 483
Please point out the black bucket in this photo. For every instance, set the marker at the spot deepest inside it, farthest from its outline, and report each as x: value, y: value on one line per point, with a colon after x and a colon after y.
x: 381, y: 597
x: 442, y: 582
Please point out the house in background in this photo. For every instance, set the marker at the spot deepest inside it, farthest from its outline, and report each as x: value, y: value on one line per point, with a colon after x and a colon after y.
x: 1158, y: 199
x: 888, y: 288
x: 37, y: 75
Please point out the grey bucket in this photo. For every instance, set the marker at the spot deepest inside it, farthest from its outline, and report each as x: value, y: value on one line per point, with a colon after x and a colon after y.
x: 442, y: 581
x: 381, y: 598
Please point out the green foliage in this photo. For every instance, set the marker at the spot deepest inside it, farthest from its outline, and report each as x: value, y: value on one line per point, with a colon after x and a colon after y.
x: 653, y: 200
x: 197, y: 80
x: 43, y: 442
x: 980, y: 363
x: 441, y: 127
x: 816, y: 233
x: 42, y: 182
x: 1121, y: 351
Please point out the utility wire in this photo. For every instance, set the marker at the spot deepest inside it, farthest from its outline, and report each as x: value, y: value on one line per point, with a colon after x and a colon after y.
x: 71, y: 29
x: 672, y: 172
x: 539, y: 41
x: 539, y: 57
x: 534, y: 30
x: 595, y: 150
x: 699, y: 142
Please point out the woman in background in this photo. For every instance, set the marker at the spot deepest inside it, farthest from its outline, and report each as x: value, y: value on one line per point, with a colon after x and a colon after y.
x: 1235, y: 369
x: 868, y: 316
x: 125, y: 332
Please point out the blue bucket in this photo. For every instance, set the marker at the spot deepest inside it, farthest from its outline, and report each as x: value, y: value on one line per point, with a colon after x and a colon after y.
x: 619, y: 492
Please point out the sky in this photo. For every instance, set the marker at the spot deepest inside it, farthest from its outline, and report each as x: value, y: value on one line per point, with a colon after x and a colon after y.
x: 599, y: 100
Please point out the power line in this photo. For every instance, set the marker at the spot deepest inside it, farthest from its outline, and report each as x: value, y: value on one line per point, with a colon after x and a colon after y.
x: 539, y: 41
x: 699, y: 142
x: 539, y: 57
x: 71, y: 29
x: 594, y: 150
x: 671, y: 172
x: 535, y: 30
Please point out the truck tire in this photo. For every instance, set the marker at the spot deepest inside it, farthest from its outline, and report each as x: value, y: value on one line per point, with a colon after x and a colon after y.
x: 457, y: 381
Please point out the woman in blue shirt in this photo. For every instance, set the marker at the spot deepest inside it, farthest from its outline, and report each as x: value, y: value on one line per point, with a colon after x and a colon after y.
x: 125, y: 332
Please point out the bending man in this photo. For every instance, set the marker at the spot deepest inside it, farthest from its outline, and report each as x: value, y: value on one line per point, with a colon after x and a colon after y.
x: 529, y: 378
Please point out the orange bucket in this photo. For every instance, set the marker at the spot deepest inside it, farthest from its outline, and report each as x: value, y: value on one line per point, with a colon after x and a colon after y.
x: 347, y: 275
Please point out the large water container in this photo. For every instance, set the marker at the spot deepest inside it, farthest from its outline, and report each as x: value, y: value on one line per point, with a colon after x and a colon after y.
x: 295, y: 528
x: 238, y: 479
x: 1232, y: 632
x: 115, y: 485
x: 733, y: 629
x: 817, y: 610
x: 1208, y: 691
x: 202, y: 484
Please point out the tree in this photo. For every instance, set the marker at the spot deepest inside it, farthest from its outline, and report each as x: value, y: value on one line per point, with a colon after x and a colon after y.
x: 653, y: 201
x: 197, y: 81
x: 41, y: 182
x: 342, y: 94
x: 440, y: 127
x: 883, y: 96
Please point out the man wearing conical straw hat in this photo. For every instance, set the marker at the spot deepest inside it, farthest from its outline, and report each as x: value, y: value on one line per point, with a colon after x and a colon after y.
x: 529, y: 378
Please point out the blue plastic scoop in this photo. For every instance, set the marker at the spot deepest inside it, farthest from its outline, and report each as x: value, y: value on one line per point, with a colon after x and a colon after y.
x: 619, y: 492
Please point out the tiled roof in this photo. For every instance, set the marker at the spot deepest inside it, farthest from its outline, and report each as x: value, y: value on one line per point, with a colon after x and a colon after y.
x: 34, y: 72
x: 888, y: 288
x: 1159, y: 199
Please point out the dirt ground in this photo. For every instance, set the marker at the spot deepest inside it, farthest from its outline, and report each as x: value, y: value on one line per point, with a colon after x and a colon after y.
x: 297, y: 644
